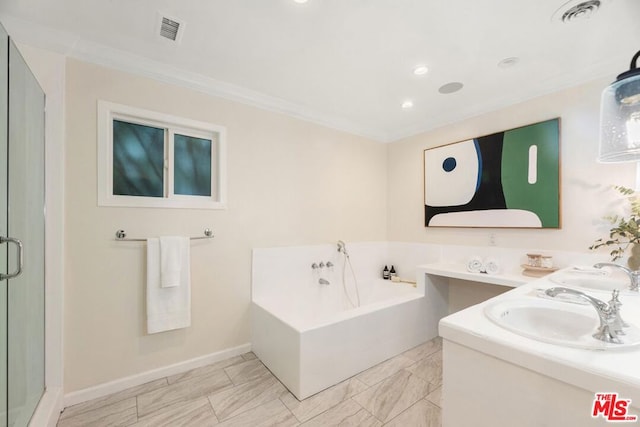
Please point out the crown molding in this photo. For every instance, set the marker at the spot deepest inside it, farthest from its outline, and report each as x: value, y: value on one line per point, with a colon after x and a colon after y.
x: 75, y: 47
x: 72, y: 46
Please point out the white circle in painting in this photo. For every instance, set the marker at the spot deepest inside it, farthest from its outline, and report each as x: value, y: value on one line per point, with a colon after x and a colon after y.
x: 451, y: 174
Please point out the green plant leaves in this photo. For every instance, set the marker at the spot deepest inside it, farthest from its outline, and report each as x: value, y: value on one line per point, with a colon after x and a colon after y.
x: 625, y: 231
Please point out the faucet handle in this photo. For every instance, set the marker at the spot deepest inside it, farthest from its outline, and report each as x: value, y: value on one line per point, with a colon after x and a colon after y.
x: 314, y: 266
x: 329, y: 264
x: 635, y: 281
x: 321, y: 264
x: 614, y: 297
x: 614, y: 308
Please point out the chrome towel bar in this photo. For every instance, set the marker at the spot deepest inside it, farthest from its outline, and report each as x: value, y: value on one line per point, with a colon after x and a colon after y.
x: 121, y: 235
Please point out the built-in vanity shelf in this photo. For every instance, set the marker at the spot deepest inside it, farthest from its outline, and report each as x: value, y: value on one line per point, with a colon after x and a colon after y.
x: 459, y: 271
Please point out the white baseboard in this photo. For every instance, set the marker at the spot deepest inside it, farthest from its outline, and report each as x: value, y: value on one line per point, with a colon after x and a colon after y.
x: 48, y: 409
x: 115, y: 386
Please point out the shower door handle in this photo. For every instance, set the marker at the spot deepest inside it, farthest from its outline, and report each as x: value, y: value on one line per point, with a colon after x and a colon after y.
x: 20, y: 253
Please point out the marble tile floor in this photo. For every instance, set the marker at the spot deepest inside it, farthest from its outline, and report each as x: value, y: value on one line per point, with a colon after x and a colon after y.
x: 402, y: 391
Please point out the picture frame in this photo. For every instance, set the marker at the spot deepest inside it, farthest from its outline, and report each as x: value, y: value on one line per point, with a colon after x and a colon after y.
x: 508, y: 179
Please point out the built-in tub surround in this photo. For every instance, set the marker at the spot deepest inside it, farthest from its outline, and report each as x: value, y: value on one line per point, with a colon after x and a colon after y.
x: 309, y: 334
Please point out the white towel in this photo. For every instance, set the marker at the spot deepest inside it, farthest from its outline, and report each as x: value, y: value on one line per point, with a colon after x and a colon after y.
x: 474, y: 265
x: 167, y: 308
x: 491, y: 266
x: 171, y: 248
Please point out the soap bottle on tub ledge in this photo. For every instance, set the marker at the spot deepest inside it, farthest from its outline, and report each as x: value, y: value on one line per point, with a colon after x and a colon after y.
x: 385, y: 273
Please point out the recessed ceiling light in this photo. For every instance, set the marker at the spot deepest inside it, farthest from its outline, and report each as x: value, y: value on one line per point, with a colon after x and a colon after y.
x: 508, y: 62
x: 450, y: 87
x: 407, y: 105
x: 420, y: 70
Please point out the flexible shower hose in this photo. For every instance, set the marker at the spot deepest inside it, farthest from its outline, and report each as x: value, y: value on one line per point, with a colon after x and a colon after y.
x: 355, y: 280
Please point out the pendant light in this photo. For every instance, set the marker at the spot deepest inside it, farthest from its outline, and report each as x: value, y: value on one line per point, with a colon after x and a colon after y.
x: 620, y: 117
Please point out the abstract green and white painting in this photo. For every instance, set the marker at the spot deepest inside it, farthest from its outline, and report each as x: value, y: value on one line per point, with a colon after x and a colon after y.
x: 506, y: 179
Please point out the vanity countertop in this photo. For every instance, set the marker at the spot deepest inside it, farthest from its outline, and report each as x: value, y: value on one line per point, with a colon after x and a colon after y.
x: 595, y: 370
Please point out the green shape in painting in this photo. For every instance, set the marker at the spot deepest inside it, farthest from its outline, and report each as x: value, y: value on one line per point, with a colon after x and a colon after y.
x: 542, y: 195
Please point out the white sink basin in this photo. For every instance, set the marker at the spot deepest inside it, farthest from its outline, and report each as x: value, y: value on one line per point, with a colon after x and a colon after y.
x: 598, y: 283
x: 554, y: 322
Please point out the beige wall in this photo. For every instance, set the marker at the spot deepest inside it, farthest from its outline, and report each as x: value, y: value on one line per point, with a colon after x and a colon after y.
x: 585, y: 193
x: 289, y: 182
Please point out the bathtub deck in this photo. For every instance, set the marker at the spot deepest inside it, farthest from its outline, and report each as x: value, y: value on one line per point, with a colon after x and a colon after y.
x: 241, y: 392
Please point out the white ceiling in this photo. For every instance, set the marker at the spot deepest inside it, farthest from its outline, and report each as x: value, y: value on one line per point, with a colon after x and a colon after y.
x: 345, y: 63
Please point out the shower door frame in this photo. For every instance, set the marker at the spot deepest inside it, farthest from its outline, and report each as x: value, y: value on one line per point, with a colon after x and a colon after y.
x: 22, y: 214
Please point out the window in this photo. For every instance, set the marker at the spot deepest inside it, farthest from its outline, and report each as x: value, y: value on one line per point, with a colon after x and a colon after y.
x: 149, y: 159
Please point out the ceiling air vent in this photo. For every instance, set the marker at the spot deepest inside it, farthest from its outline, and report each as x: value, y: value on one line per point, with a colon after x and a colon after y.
x: 169, y: 28
x: 576, y: 10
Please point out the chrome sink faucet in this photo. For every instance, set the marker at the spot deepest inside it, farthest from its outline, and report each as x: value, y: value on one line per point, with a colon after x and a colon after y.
x: 611, y: 324
x: 634, y: 276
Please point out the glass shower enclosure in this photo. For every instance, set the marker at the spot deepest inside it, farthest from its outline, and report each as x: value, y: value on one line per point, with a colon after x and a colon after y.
x: 22, y: 329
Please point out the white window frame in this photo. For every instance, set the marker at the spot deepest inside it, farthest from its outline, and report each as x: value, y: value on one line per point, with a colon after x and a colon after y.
x: 108, y: 111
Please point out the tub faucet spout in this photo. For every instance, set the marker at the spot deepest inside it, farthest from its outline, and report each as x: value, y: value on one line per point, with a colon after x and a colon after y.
x: 634, y: 276
x: 323, y: 281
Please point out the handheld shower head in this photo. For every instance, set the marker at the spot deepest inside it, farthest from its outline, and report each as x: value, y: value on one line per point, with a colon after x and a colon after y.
x: 342, y: 247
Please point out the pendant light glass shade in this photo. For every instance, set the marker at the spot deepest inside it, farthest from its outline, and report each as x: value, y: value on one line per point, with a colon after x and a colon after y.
x: 620, y: 118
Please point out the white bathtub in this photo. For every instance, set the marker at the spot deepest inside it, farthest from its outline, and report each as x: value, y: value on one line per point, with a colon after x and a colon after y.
x: 309, y: 338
